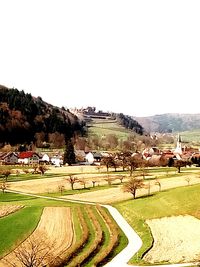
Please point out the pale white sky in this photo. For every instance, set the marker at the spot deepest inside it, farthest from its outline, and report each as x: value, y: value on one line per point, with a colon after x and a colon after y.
x: 136, y: 57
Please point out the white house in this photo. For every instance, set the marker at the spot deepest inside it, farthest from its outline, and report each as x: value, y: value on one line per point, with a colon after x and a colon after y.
x: 45, y: 158
x: 89, y: 158
x: 57, y: 161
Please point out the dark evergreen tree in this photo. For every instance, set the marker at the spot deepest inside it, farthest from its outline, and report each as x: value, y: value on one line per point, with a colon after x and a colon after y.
x: 69, y: 155
x: 171, y: 162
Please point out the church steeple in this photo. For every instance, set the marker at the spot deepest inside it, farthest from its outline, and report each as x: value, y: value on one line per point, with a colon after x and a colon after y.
x: 179, y: 145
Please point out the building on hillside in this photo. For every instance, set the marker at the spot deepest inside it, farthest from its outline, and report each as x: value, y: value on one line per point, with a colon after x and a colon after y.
x: 28, y: 157
x: 8, y: 158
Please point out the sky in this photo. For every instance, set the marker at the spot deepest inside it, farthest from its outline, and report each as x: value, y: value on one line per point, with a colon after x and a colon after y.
x: 138, y: 57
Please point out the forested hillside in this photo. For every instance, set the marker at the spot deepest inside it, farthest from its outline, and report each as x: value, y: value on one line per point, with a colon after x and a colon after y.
x: 26, y: 119
x: 171, y: 122
x: 129, y: 123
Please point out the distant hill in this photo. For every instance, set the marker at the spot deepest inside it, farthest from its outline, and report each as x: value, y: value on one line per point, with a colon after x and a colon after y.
x: 27, y: 119
x: 170, y: 122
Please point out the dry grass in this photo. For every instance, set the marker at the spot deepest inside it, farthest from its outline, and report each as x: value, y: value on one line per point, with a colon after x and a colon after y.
x: 176, y: 239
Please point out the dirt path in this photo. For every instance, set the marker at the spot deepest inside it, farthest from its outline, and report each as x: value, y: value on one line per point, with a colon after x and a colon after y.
x: 8, y: 209
x: 52, y: 237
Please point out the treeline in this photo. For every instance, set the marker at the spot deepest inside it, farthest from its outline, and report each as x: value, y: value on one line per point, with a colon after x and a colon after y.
x: 25, y: 119
x: 129, y: 123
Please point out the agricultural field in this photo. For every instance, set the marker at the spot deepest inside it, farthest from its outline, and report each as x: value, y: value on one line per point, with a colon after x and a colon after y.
x: 92, y: 236
x: 192, y: 137
x: 73, y: 233
x: 165, y: 221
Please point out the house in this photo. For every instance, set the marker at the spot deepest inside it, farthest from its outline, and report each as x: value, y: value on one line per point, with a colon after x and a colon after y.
x: 28, y: 157
x: 57, y: 160
x: 45, y: 159
x: 97, y: 156
x: 89, y: 158
x: 8, y: 158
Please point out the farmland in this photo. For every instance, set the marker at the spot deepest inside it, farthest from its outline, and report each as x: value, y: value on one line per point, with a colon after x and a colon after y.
x: 95, y: 237
x: 103, y: 128
x: 93, y: 231
x: 175, y: 202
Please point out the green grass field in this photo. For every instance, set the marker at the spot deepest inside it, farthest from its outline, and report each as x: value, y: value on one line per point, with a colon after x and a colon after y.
x: 103, y: 128
x: 192, y: 137
x: 179, y: 201
x: 18, y: 226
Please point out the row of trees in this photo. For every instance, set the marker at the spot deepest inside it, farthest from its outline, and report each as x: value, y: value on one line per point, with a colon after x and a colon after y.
x: 133, y: 142
x: 131, y: 162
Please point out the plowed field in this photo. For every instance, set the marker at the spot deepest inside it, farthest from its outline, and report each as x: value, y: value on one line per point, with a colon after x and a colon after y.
x: 52, y: 237
x: 176, y: 239
x: 8, y: 209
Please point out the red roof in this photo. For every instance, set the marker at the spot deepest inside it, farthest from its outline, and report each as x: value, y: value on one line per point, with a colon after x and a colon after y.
x: 27, y: 154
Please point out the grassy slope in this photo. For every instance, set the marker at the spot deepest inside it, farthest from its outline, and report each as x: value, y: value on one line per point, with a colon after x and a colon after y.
x: 101, y: 128
x: 192, y: 136
x: 177, y: 201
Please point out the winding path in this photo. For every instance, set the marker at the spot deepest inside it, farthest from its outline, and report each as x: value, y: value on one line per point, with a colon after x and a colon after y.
x: 134, y: 241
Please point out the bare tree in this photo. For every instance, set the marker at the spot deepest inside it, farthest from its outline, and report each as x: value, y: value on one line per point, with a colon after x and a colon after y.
x: 132, y: 185
x: 25, y: 171
x: 109, y: 180
x: 35, y: 167
x: 42, y: 169
x: 134, y: 162
x: 94, y: 182
x: 32, y: 253
x: 3, y: 186
x: 83, y: 182
x: 179, y: 164
x: 5, y: 174
x: 157, y: 182
x: 98, y: 168
x: 61, y: 188
x: 72, y: 180
x: 121, y: 178
x: 188, y: 179
x: 108, y: 162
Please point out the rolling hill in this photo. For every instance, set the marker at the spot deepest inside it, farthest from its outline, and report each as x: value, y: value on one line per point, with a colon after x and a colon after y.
x: 170, y: 122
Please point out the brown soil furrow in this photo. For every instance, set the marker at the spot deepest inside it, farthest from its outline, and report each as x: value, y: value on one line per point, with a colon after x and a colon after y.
x: 8, y: 209
x: 53, y: 236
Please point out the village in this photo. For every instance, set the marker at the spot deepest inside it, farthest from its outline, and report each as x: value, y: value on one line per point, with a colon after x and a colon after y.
x: 152, y: 156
